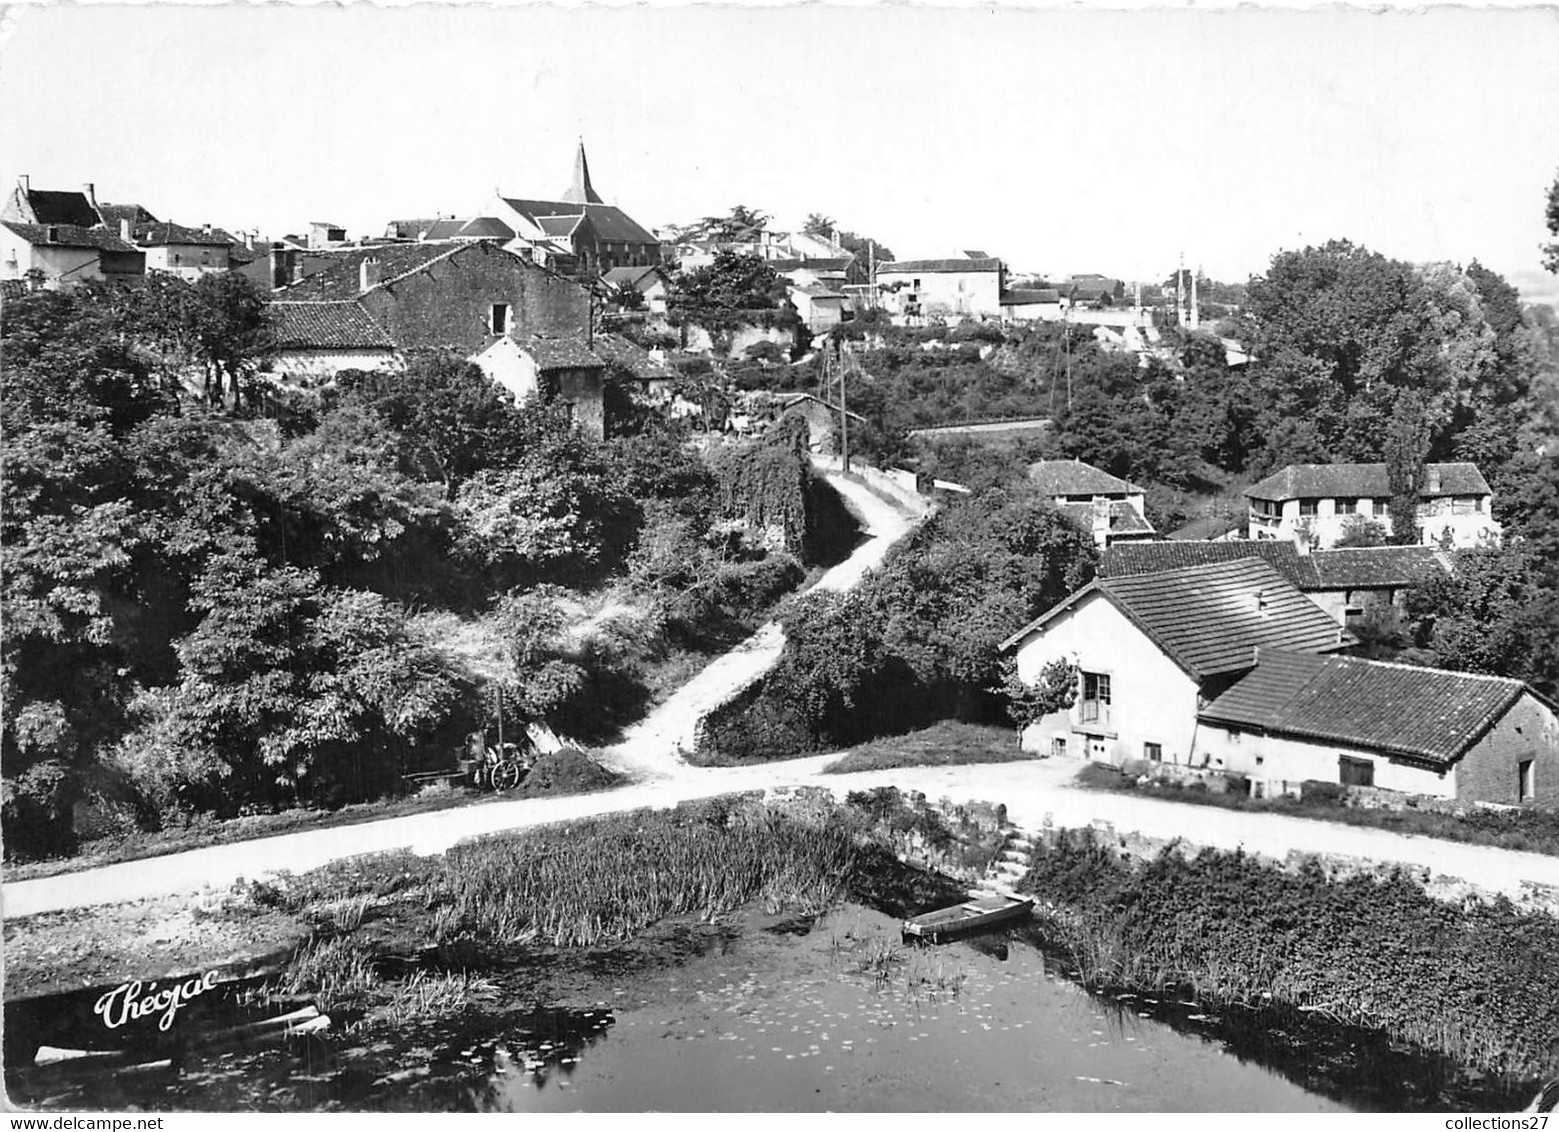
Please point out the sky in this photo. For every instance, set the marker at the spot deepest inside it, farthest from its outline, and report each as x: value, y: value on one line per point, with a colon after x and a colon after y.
x: 1061, y: 140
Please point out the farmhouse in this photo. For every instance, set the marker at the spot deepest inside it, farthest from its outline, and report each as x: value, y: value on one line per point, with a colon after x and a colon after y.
x: 933, y: 288
x: 1319, y: 502
x: 1298, y: 716
x: 1149, y: 649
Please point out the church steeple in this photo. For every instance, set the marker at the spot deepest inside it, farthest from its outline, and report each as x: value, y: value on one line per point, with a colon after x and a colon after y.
x: 581, y: 191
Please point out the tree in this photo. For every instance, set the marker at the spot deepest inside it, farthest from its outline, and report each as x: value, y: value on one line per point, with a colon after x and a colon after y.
x: 1054, y: 689
x: 1551, y: 251
x: 818, y: 225
x: 1407, y: 444
x: 1493, y: 615
x: 1359, y: 531
x: 450, y: 420
x: 732, y: 284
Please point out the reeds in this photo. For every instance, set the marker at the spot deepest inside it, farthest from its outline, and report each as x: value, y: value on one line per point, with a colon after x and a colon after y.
x: 601, y: 882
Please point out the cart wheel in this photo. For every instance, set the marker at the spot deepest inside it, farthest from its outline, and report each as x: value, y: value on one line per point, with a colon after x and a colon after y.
x: 506, y: 776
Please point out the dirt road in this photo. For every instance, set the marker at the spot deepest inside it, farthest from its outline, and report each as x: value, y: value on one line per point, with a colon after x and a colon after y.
x: 650, y: 749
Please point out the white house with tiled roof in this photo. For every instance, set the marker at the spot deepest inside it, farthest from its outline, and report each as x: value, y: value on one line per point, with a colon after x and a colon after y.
x: 935, y: 288
x: 314, y: 341
x: 1108, y: 507
x: 1297, y: 717
x: 1147, y: 650
x: 1318, y: 502
x: 52, y: 238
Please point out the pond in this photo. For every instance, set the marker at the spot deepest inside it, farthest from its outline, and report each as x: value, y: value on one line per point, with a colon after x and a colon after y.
x: 832, y: 1015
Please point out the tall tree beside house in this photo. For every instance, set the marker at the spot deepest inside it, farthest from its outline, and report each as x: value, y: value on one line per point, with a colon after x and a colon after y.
x: 727, y: 292
x: 818, y: 225
x: 1407, y: 448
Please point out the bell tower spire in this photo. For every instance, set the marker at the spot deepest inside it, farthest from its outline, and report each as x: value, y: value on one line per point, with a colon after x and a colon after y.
x: 581, y: 191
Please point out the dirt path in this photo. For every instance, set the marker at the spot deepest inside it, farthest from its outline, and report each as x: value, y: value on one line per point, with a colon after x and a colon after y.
x: 651, y: 749
x: 1033, y: 792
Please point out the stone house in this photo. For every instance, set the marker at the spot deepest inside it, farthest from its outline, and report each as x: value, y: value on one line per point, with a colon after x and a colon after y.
x: 651, y: 281
x: 188, y: 253
x: 315, y: 341
x: 1150, y: 650
x: 1319, y: 501
x: 50, y: 238
x: 1299, y: 716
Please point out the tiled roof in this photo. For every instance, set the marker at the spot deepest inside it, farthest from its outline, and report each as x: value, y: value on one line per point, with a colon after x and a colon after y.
x: 615, y: 349
x: 790, y: 401
x: 69, y: 236
x: 167, y: 232
x: 13, y: 288
x: 1073, y: 477
x: 933, y: 266
x: 1363, y: 481
x: 1422, y: 714
x: 560, y: 353
x: 609, y: 223
x: 818, y: 291
x: 325, y: 326
x: 1211, y: 619
x: 112, y: 214
x: 1376, y: 567
x: 68, y: 207
x: 337, y: 273
x: 409, y: 229
x: 1022, y: 298
x: 1124, y: 518
x: 632, y: 276
x: 1349, y: 568
x: 471, y: 228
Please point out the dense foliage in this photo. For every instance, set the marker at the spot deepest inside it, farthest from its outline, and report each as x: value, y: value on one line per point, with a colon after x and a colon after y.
x: 918, y: 640
x: 210, y: 611
x: 1467, y: 980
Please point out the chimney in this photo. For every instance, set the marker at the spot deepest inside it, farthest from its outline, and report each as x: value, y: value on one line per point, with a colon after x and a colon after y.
x: 249, y: 240
x: 1259, y: 600
x: 25, y: 182
x: 1301, y: 544
x: 125, y: 233
x: 91, y: 191
x: 1434, y: 479
x: 1101, y: 520
x: 205, y: 229
x: 368, y: 273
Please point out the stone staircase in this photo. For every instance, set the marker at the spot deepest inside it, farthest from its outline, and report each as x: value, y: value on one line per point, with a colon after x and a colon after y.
x: 1011, y: 862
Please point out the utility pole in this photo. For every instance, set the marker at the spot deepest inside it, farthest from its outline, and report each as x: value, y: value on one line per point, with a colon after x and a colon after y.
x: 844, y: 418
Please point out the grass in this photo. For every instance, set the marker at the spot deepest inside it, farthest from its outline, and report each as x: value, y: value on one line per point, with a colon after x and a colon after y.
x: 944, y: 744
x: 1526, y: 830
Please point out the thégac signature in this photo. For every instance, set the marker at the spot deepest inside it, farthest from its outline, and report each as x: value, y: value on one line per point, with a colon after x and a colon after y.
x: 128, y: 1001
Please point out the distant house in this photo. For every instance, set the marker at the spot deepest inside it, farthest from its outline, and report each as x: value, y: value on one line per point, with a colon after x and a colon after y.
x: 1095, y: 290
x: 188, y: 253
x: 1150, y: 649
x: 646, y: 371
x: 820, y: 308
x: 597, y: 235
x: 929, y: 288
x: 1319, y: 501
x: 325, y: 234
x: 1106, y: 506
x: 450, y: 228
x: 651, y: 281
x: 1043, y: 304
x: 822, y: 420
x: 565, y: 371
x: 1348, y: 583
x: 1298, y: 716
x: 51, y: 238
x: 315, y: 341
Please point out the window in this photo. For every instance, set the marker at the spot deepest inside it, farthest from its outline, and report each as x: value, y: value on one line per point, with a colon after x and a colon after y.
x: 499, y: 321
x: 1307, y: 507
x: 1264, y: 507
x: 1347, y: 506
x: 1058, y: 746
x: 1153, y: 752
x: 1096, y: 698
x: 1355, y: 772
x: 1526, y: 780
x: 1466, y: 505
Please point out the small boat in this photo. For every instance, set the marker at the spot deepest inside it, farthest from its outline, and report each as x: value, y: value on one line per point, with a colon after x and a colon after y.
x: 977, y: 915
